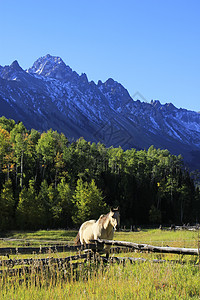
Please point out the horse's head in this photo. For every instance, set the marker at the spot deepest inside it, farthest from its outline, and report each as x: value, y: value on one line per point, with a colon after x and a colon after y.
x: 114, y: 217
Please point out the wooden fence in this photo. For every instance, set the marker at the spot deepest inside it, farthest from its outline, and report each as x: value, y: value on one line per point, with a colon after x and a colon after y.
x: 42, y: 249
x: 8, y: 264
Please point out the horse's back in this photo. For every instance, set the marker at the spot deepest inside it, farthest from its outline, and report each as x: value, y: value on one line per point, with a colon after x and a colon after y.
x: 86, y: 231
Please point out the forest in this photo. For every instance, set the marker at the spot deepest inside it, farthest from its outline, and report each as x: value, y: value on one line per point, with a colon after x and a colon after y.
x: 47, y: 181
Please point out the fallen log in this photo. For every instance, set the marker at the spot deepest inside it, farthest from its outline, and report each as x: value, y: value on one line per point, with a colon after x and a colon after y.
x: 187, y: 227
x: 135, y: 259
x: 146, y: 247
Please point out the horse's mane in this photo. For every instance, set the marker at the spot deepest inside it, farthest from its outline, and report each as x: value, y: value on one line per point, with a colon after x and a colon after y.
x: 103, y: 220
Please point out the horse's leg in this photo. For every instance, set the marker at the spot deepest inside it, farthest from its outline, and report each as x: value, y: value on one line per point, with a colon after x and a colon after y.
x: 107, y: 250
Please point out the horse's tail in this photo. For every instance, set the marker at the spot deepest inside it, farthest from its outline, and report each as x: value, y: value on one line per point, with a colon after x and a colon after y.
x: 77, y: 240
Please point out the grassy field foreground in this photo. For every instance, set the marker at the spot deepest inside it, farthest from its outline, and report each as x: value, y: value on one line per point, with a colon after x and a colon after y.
x: 177, y: 278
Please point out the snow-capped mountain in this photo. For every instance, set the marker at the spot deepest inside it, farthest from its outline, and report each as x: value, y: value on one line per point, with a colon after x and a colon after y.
x: 51, y: 95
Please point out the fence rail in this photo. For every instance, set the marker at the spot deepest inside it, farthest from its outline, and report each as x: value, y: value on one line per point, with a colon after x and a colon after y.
x: 146, y: 247
x: 97, y: 245
x: 43, y: 261
x: 41, y: 250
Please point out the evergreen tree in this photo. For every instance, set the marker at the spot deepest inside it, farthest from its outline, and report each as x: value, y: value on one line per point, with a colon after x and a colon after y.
x: 88, y: 202
x: 30, y: 212
x: 63, y: 207
x: 46, y: 201
x: 7, y: 205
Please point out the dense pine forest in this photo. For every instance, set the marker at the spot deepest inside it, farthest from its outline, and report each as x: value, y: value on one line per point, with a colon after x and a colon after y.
x: 48, y: 182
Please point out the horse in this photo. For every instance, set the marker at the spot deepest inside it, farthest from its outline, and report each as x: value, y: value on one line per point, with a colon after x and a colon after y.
x: 103, y: 228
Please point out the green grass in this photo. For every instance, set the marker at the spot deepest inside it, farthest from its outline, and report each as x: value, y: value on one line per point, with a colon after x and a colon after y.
x: 150, y: 236
x: 177, y: 278
x: 63, y: 235
x: 37, y: 238
x: 188, y: 239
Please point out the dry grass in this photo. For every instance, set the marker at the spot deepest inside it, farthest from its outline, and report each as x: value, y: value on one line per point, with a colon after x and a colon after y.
x: 177, y: 278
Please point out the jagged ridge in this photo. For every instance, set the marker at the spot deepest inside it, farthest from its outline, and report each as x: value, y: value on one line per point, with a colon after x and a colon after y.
x: 51, y: 95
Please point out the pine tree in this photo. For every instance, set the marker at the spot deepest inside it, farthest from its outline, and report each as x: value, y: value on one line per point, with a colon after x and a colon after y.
x: 7, y: 204
x: 62, y: 209
x: 88, y: 202
x: 30, y: 211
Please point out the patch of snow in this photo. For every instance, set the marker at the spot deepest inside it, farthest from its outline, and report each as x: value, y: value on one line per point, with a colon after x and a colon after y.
x: 155, y: 124
x: 172, y: 132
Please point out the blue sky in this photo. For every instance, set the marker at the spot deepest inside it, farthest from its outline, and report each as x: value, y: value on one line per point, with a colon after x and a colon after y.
x: 152, y: 47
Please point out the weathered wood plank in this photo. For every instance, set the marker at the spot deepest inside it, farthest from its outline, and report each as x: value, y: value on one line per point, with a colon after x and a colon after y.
x: 97, y: 245
x: 41, y: 250
x: 43, y: 261
x: 151, y: 248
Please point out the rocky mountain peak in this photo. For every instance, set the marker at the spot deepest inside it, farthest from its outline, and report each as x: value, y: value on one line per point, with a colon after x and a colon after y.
x: 155, y: 103
x: 84, y: 78
x: 51, y: 66
x: 15, y: 65
x: 12, y: 72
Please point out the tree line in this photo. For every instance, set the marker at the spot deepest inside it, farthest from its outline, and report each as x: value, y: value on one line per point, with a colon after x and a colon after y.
x: 46, y: 181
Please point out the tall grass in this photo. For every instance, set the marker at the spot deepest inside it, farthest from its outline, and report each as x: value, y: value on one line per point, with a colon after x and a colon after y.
x: 134, y: 281
x: 178, y: 278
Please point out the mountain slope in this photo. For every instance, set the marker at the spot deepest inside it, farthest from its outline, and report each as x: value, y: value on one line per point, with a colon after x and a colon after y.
x: 51, y: 95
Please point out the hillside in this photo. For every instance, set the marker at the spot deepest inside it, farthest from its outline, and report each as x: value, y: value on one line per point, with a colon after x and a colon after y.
x: 51, y: 95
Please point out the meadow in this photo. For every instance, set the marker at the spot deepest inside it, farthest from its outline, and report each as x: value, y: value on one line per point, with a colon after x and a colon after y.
x: 176, y: 277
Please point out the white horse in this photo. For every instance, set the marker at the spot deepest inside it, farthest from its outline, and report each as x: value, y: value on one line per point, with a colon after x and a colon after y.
x: 103, y: 228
